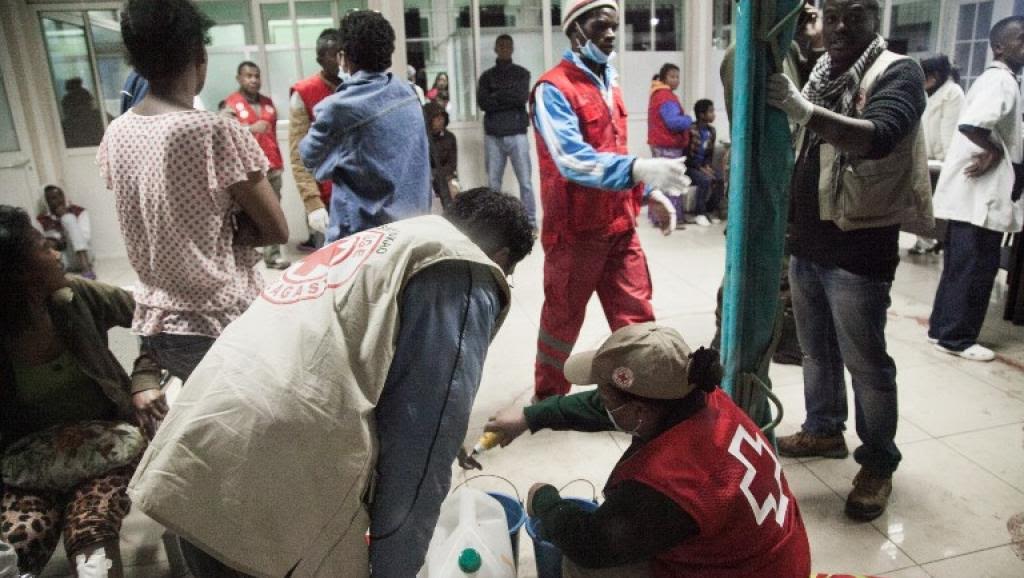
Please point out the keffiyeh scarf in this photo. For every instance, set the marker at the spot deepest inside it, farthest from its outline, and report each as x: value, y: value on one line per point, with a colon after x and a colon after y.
x: 839, y: 94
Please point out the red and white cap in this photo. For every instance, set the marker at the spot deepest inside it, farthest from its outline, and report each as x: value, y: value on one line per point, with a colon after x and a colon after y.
x: 577, y: 8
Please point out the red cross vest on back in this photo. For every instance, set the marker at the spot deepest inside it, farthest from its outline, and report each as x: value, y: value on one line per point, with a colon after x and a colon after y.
x: 572, y: 210
x: 246, y: 115
x: 312, y: 90
x: 720, y: 468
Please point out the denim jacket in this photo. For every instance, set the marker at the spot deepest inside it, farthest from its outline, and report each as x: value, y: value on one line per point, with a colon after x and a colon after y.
x: 369, y: 139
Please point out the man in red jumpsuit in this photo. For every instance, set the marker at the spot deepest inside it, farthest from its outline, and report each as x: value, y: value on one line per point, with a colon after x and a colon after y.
x: 591, y: 190
x: 257, y: 113
x: 305, y: 94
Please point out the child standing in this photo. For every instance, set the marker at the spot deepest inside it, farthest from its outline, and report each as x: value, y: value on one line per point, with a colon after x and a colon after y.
x: 699, y: 164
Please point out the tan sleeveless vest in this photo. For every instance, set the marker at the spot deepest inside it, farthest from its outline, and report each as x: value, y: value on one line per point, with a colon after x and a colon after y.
x: 878, y: 193
x: 265, y: 459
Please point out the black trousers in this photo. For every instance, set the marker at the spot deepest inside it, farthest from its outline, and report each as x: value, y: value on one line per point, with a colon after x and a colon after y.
x: 969, y: 265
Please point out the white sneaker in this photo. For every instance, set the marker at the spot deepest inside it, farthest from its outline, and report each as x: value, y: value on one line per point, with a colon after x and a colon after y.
x: 932, y: 340
x: 973, y: 353
x: 715, y: 220
x: 702, y: 221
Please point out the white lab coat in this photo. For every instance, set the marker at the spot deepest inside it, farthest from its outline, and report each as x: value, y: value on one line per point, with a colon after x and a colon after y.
x: 994, y: 103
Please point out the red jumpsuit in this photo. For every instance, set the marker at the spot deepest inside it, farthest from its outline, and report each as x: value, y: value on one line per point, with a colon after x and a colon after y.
x: 589, y: 235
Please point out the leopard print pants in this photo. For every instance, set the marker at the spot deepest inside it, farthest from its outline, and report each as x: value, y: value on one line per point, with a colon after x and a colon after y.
x: 91, y: 513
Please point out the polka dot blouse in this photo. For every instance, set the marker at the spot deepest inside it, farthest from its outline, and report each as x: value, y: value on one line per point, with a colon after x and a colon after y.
x: 170, y: 174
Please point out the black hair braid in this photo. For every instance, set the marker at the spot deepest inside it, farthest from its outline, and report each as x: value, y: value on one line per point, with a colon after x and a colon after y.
x: 705, y: 369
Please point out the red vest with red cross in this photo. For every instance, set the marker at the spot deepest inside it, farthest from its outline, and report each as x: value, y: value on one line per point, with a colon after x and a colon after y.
x: 312, y: 90
x: 719, y: 468
x: 246, y: 115
x: 572, y: 210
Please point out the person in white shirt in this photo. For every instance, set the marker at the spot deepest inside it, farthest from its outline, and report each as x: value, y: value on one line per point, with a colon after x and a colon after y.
x: 979, y: 195
x: 68, y: 229
x: 945, y: 100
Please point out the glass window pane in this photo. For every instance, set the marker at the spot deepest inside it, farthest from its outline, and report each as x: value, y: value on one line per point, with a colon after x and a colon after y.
x: 668, y: 26
x: 984, y: 22
x: 439, y: 39
x: 68, y: 55
x: 722, y: 23
x: 233, y: 24
x: 916, y: 23
x: 978, y: 61
x: 523, y: 22
x: 312, y: 18
x: 962, y: 57
x: 636, y: 25
x: 965, y: 22
x: 8, y: 136
x: 345, y: 6
x: 110, y: 58
x: 279, y: 43
x: 230, y: 41
x: 559, y: 41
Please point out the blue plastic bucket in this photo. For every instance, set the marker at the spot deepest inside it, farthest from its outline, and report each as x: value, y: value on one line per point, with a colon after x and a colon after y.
x: 549, y: 557
x: 515, y: 515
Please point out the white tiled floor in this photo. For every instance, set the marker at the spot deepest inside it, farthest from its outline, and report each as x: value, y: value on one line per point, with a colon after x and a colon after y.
x: 961, y: 428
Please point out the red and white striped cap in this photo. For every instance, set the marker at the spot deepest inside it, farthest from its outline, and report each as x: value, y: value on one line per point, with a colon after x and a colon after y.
x: 577, y: 8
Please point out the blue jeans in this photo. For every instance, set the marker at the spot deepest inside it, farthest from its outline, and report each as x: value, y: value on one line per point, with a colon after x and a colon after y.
x: 840, y: 320
x: 497, y: 151
x: 178, y: 354
x: 709, y: 195
x: 970, y: 262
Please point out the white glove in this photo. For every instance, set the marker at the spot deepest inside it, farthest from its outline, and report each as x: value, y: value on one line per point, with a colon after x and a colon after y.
x: 662, y: 174
x: 318, y: 220
x: 664, y: 211
x: 785, y: 96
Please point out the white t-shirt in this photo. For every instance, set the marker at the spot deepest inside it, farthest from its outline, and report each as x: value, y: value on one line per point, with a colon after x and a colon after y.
x: 993, y: 103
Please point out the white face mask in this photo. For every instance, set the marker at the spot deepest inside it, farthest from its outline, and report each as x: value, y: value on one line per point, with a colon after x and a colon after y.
x: 615, y: 424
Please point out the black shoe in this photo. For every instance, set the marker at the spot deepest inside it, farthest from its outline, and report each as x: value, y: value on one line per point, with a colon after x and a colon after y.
x: 307, y: 246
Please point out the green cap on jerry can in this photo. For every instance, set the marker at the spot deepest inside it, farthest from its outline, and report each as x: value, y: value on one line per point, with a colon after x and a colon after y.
x: 469, y: 561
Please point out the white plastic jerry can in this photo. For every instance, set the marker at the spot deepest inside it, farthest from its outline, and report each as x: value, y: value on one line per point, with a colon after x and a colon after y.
x: 471, y: 539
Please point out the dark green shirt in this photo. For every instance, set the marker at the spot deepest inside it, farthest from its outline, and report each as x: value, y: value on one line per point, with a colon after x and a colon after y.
x: 82, y: 314
x: 57, y: 392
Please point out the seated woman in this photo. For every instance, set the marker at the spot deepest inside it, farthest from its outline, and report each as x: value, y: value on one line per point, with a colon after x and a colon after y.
x: 699, y: 492
x: 56, y: 370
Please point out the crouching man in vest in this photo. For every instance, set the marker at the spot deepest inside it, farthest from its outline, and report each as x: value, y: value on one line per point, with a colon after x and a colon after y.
x: 861, y: 173
x: 699, y: 492
x: 338, y: 401
x: 591, y: 191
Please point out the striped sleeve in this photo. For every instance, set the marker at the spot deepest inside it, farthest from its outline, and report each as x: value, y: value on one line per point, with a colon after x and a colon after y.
x: 576, y: 160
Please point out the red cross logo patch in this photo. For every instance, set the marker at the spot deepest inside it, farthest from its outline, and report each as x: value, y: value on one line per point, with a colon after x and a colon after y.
x: 769, y: 486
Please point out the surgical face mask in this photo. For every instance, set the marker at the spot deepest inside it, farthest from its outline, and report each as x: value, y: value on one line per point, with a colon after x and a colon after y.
x: 342, y: 73
x: 615, y: 424
x: 591, y: 52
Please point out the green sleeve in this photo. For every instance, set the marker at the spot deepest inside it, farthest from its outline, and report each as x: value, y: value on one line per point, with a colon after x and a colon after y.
x: 580, y: 412
x: 111, y: 306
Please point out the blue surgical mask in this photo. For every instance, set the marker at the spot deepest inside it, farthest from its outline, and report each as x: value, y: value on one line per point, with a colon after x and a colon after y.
x: 591, y: 52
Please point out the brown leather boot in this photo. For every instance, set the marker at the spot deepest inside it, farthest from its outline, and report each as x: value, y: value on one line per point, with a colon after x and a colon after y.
x: 869, y: 497
x: 804, y: 445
